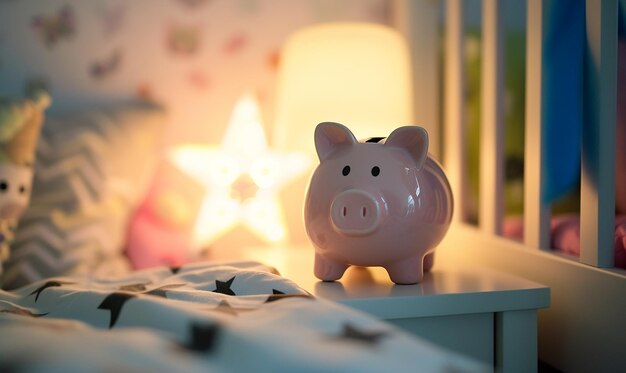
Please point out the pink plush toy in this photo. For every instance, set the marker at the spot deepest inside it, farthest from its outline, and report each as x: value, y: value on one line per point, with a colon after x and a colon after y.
x: 376, y: 203
x: 159, y: 232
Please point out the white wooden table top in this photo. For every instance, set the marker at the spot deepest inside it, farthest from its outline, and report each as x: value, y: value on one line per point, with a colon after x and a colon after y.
x: 449, y: 289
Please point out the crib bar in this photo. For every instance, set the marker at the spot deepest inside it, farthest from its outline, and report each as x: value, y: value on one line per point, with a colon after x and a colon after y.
x: 597, y: 197
x: 492, y: 124
x: 454, y: 123
x: 419, y: 23
x: 536, y: 213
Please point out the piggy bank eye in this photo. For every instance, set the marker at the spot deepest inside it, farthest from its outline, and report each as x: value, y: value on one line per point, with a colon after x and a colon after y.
x: 22, y: 189
x: 4, y: 186
x: 375, y: 171
x: 345, y: 171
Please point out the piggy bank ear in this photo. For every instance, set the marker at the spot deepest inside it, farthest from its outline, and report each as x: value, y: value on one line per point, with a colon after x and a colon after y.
x: 330, y: 136
x: 413, y: 139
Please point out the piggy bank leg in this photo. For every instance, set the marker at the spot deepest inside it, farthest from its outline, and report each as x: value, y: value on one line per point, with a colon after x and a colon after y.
x: 328, y: 270
x: 429, y: 261
x: 406, y: 272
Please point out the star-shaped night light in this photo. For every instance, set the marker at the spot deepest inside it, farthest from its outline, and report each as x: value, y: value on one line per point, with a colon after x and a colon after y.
x: 242, y: 177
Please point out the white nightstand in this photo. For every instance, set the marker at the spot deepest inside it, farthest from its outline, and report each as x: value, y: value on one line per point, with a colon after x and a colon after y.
x: 488, y: 315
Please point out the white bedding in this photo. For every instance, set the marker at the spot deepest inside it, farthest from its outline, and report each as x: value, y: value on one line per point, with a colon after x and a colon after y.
x: 201, y: 317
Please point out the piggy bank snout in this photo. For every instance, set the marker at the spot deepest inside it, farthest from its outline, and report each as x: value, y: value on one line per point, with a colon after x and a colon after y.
x: 357, y: 212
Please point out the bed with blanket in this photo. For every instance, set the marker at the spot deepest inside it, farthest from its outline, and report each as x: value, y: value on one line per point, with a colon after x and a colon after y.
x: 200, y: 317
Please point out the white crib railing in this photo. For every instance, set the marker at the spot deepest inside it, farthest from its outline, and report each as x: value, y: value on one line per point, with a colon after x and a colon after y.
x: 597, y: 198
x: 584, y: 328
x: 454, y: 126
x: 536, y: 213
x: 491, y: 154
x: 597, y: 174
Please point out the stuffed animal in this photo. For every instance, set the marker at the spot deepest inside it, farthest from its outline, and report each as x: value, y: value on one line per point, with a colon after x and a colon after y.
x: 161, y: 231
x: 20, y: 125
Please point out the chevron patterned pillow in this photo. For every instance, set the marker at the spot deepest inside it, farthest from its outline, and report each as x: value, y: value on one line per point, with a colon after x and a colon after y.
x: 92, y: 169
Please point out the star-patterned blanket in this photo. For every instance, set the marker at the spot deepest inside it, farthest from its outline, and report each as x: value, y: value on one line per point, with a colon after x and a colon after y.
x: 201, y: 317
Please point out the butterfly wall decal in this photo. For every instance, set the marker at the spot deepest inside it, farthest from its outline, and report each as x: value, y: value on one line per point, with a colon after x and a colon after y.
x: 112, y: 17
x: 105, y: 67
x: 52, y: 28
x: 183, y: 40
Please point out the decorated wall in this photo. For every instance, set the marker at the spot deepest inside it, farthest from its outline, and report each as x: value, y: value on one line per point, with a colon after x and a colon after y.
x: 196, y: 58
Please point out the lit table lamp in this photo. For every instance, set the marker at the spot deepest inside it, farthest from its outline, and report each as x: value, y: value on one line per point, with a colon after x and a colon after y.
x: 357, y: 74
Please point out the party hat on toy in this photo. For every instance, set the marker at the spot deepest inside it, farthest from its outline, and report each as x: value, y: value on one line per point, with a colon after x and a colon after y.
x: 20, y: 125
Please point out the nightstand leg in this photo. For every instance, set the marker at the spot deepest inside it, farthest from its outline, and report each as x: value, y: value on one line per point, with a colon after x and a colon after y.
x: 516, y: 341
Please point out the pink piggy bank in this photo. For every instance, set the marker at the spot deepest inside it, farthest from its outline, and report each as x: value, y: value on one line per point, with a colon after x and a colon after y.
x: 382, y: 202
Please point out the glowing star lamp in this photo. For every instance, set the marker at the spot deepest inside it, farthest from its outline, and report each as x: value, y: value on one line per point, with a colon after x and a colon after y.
x: 357, y: 74
x: 242, y: 177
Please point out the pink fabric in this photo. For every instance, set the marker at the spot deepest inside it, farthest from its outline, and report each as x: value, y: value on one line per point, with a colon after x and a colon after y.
x: 152, y: 244
x: 155, y: 239
x: 565, y: 235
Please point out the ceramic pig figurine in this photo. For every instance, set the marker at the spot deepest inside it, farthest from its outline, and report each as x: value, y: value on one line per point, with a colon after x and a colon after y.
x: 382, y: 202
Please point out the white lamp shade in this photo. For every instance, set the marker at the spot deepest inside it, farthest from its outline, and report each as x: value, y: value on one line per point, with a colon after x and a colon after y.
x: 357, y: 74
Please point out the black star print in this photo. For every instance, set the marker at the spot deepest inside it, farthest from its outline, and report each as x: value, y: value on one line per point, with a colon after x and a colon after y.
x: 351, y: 333
x: 23, y: 312
x: 114, y: 303
x: 203, y: 337
x: 278, y: 295
x: 48, y: 284
x: 134, y: 287
x: 224, y: 287
x: 162, y: 291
